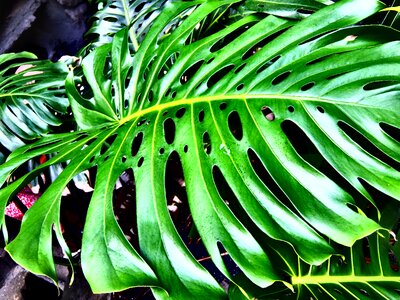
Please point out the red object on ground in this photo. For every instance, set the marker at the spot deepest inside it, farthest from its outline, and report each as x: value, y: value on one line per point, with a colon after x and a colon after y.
x: 27, y: 197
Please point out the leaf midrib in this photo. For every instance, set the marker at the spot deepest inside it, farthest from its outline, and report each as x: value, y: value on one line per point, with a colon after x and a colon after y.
x: 329, y: 279
x: 208, y: 99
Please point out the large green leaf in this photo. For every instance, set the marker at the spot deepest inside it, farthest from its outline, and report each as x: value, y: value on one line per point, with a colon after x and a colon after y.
x: 29, y: 99
x: 223, y: 105
x: 367, y: 270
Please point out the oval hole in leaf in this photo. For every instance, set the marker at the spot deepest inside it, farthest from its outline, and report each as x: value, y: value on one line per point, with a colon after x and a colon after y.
x: 240, y: 68
x: 267, y: 64
x: 180, y: 112
x: 201, y: 116
x: 140, y: 162
x: 223, y: 106
x: 186, y: 148
x: 221, y: 43
x: 219, y: 75
x: 290, y: 108
x: 110, y: 19
x: 169, y: 131
x: 235, y: 125
x: 190, y: 72
x: 140, y: 6
x: 206, y: 143
x: 307, y: 86
x: 367, y: 145
x: 321, y: 109
x: 268, y: 114
x: 379, y: 84
x: 240, y: 87
x: 392, y: 131
x: 175, y: 191
x: 305, y: 11
x: 128, y: 77
x: 108, y: 143
x: 137, y: 141
x: 280, y: 78
x: 257, y: 47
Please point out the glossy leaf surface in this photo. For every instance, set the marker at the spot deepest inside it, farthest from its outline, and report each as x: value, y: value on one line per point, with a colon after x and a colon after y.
x: 225, y: 104
x: 31, y: 95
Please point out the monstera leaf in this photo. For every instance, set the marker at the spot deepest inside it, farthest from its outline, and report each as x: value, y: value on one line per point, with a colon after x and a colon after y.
x: 367, y: 270
x: 30, y: 98
x: 115, y: 15
x: 236, y: 106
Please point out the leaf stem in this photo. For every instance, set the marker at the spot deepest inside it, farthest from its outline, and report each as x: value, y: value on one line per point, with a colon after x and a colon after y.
x: 131, y: 32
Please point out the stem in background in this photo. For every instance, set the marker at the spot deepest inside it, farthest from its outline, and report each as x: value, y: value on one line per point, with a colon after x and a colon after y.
x: 131, y: 32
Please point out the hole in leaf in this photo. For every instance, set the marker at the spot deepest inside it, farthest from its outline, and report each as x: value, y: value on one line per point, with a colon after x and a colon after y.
x: 379, y: 84
x: 257, y: 47
x: 126, y: 104
x: 210, y: 60
x: 123, y: 159
x: 206, y: 143
x: 124, y: 206
x: 267, y: 64
x: 140, y: 162
x: 307, y: 86
x: 290, y: 108
x: 162, y: 151
x: 305, y: 11
x: 110, y: 19
x: 128, y: 77
x: 169, y: 130
x: 267, y: 179
x: 240, y: 87
x: 201, y: 116
x: 173, y: 95
x: 108, y: 143
x: 150, y: 96
x: 240, y: 68
x: 235, y: 125
x: 180, y: 113
x: 223, y: 106
x: 190, y: 72
x: 335, y: 75
x: 168, y: 92
x: 140, y: 6
x: 280, y: 78
x: 137, y: 141
x: 185, y: 148
x: 320, y: 109
x: 229, y: 38
x: 141, y: 122
x: 219, y: 75
x: 92, y: 159
x: 367, y: 145
x: 268, y: 114
x: 392, y: 131
x: 366, y: 250
x: 228, y: 261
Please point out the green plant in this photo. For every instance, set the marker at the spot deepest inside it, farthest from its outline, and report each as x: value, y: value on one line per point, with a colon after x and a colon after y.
x: 228, y: 99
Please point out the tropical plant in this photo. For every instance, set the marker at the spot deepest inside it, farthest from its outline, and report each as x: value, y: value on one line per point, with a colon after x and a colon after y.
x: 286, y: 133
